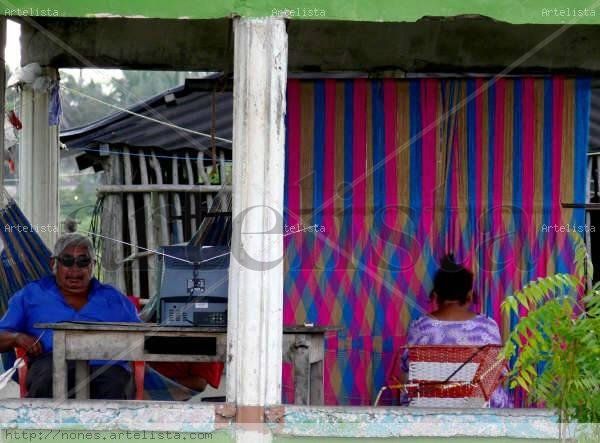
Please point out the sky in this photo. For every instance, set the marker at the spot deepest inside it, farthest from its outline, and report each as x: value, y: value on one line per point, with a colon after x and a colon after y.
x: 12, y: 52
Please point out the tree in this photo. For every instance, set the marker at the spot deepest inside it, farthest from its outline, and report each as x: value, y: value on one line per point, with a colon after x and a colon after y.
x: 79, y: 110
x: 132, y: 88
x: 136, y: 86
x: 556, y: 346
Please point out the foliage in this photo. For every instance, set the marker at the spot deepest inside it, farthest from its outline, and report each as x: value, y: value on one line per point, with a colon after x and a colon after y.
x: 79, y: 110
x: 78, y: 200
x: 136, y: 86
x: 557, y: 345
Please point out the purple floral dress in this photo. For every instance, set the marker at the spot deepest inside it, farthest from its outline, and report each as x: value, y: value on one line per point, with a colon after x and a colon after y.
x: 479, y: 330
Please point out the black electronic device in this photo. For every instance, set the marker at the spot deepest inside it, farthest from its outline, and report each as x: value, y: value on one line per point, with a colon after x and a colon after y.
x: 193, y: 285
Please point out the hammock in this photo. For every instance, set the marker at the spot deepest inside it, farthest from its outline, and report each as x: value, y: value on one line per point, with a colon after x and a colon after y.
x: 24, y: 256
x: 157, y: 387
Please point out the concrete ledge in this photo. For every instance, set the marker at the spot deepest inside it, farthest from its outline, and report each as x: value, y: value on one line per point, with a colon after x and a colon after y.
x: 286, y: 420
x: 111, y: 415
x: 368, y: 422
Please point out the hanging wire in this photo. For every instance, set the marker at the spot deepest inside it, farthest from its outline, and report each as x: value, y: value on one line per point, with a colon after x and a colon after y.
x: 127, y: 111
x: 132, y: 154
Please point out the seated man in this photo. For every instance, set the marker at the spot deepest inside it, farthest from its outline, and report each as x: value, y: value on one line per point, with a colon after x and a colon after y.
x: 71, y: 294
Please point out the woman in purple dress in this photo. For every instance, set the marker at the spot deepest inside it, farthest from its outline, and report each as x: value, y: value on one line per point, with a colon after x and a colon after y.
x: 453, y: 323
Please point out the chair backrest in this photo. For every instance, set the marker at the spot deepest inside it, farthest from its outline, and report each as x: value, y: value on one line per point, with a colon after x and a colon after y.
x: 453, y: 376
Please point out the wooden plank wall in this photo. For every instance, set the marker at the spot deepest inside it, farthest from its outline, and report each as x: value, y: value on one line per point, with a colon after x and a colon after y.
x: 151, y: 198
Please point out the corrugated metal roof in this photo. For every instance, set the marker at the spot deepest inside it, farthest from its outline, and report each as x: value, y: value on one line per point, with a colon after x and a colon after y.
x: 191, y: 109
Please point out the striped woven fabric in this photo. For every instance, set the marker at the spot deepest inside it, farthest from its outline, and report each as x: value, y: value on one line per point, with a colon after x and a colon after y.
x: 385, y: 176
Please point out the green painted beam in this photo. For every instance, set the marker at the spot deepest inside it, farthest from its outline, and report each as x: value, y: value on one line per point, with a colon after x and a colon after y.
x: 577, y: 12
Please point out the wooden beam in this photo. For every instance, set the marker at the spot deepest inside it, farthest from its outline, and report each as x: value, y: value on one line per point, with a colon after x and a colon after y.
x: 198, y: 189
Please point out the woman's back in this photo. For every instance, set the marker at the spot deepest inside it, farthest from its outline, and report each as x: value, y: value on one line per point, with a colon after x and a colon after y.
x: 479, y: 330
x: 453, y: 323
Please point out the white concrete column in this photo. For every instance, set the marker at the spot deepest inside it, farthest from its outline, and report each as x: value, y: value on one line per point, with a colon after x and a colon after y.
x: 2, y: 96
x: 255, y: 324
x: 38, y: 164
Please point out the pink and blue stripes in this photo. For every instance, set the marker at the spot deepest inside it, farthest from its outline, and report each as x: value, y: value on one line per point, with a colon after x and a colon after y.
x: 398, y: 172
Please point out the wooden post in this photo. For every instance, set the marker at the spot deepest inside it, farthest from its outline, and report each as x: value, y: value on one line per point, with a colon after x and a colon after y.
x: 151, y: 237
x: 202, y: 173
x: 132, y: 224
x: 191, y: 198
x: 159, y: 205
x: 38, y: 162
x: 59, y: 362
x: 255, y: 305
x: 82, y: 380
x: 222, y: 173
x: 317, y: 360
x: 588, y: 219
x: 597, y: 160
x: 177, y: 223
x: 112, y: 227
x: 301, y: 370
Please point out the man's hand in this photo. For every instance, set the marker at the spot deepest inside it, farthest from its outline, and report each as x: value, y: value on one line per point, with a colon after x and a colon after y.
x: 31, y: 344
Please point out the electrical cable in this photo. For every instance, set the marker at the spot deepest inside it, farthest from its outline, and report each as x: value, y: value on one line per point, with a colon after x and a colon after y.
x: 127, y: 111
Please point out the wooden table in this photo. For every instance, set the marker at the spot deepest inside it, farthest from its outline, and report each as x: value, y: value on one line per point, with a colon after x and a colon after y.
x: 303, y: 346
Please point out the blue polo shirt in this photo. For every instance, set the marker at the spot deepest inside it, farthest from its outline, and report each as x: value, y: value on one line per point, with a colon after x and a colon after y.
x: 42, y: 302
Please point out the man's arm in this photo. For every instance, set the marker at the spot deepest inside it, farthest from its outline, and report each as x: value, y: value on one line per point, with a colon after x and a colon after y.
x: 12, y: 323
x: 10, y: 340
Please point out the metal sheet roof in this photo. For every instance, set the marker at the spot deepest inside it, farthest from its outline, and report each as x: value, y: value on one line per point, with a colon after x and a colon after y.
x: 190, y: 109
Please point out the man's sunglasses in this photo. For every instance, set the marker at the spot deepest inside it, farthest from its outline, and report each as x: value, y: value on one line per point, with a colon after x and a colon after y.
x: 82, y: 261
